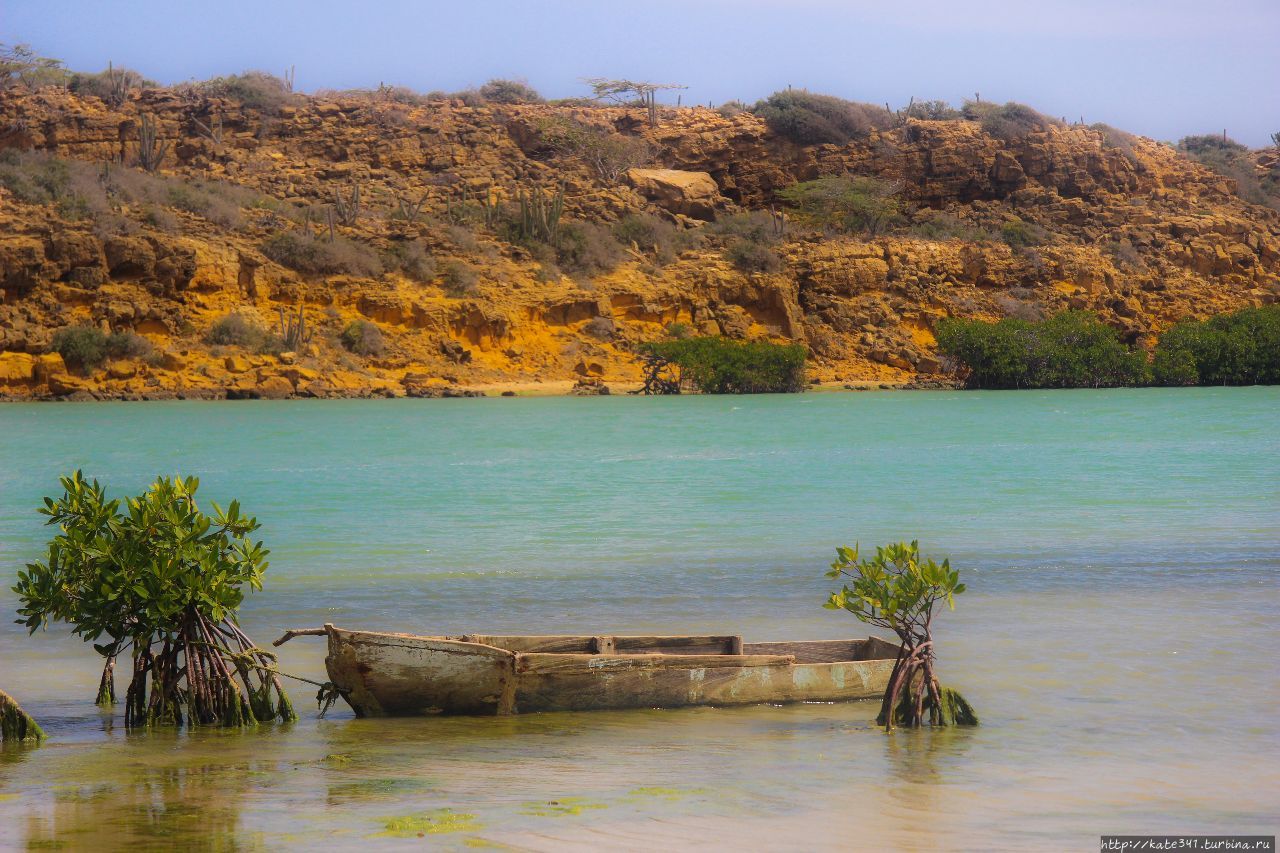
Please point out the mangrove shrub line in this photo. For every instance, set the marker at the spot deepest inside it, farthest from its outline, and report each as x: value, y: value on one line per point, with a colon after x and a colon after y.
x: 1073, y: 349
x: 715, y: 365
x: 1240, y: 348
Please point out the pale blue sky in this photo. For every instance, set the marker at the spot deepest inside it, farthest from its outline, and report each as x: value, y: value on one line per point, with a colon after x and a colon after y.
x: 1163, y: 68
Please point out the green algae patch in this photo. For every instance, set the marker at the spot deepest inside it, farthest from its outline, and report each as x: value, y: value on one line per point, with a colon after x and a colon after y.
x: 437, y: 822
x: 669, y: 795
x: 560, y: 808
x: 369, y: 789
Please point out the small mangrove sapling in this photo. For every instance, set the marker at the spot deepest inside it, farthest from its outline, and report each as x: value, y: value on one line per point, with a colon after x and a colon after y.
x: 155, y: 576
x: 896, y: 590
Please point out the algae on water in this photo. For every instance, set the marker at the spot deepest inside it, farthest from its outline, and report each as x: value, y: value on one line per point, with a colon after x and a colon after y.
x: 436, y: 822
x: 560, y: 808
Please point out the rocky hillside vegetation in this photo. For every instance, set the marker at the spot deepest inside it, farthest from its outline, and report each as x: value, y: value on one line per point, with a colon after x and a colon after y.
x: 232, y: 238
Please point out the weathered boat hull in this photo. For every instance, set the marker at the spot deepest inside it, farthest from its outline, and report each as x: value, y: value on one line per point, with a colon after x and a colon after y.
x: 384, y: 674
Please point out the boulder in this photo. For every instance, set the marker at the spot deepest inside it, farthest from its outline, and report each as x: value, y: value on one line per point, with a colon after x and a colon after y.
x: 236, y: 364
x: 49, y: 365
x: 64, y: 384
x: 75, y: 250
x: 455, y: 351
x: 16, y: 368
x: 122, y: 370
x: 21, y: 263
x: 693, y: 194
x: 275, y: 388
x: 130, y: 257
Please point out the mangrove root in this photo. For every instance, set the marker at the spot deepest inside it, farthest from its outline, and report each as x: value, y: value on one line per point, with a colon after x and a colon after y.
x: 107, y: 686
x: 16, y: 724
x: 208, y: 674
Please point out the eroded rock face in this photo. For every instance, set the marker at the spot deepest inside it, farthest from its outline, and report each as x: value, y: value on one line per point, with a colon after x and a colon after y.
x: 1137, y: 234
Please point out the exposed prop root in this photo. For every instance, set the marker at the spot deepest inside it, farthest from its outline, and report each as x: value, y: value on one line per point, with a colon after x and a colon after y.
x: 107, y: 686
x: 16, y: 724
x: 915, y: 695
x: 208, y: 674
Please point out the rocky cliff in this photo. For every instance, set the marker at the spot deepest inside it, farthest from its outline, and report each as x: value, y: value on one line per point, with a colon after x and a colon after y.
x: 1123, y: 226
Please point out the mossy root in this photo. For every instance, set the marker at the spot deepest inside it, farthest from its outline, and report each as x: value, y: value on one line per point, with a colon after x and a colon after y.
x: 956, y: 710
x: 16, y: 724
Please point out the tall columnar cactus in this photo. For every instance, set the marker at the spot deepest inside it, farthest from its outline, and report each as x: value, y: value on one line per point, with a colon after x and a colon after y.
x: 294, y: 331
x: 347, y: 208
x: 117, y: 86
x: 540, y: 215
x: 151, y: 149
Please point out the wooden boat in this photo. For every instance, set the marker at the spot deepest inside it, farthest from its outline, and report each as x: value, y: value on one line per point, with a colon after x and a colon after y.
x: 383, y: 674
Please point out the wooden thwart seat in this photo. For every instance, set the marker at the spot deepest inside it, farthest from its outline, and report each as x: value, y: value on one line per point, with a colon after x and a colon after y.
x: 606, y: 645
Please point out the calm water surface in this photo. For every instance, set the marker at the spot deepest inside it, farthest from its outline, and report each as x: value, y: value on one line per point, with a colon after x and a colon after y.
x: 1119, y: 637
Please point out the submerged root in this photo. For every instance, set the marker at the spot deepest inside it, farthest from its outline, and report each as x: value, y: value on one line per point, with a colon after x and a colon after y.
x: 15, y: 723
x: 914, y: 694
x: 955, y: 710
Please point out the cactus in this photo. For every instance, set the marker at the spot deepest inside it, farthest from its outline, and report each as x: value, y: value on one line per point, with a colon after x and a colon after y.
x: 117, y: 86
x: 778, y: 219
x: 408, y: 210
x: 211, y: 131
x: 540, y: 215
x: 294, y: 331
x: 151, y: 149
x: 348, y: 209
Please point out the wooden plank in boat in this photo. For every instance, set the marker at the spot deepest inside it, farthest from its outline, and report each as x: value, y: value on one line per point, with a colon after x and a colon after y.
x: 582, y: 689
x: 810, y: 651
x: 677, y: 645
x: 571, y: 643
x: 552, y: 663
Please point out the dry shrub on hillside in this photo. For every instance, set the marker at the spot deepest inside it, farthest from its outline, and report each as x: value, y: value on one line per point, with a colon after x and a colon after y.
x: 111, y: 86
x: 749, y: 239
x: 362, y: 338
x: 81, y: 190
x: 255, y: 90
x: 1009, y: 122
x: 811, y: 119
x: 1233, y: 160
x: 655, y: 237
x: 499, y: 91
x: 1115, y: 139
x: 306, y: 253
x: 608, y: 154
x: 412, y: 259
x: 460, y: 279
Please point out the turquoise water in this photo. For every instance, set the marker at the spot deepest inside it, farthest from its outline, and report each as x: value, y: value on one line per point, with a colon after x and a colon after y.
x: 1118, y: 637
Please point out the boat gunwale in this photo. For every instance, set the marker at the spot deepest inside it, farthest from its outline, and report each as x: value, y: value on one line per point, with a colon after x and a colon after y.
x: 452, y: 645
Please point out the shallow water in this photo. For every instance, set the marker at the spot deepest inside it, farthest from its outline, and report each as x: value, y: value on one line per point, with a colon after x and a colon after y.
x: 1118, y: 637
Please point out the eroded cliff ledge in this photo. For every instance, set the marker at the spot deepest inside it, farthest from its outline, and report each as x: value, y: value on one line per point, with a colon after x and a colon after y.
x: 1136, y: 233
